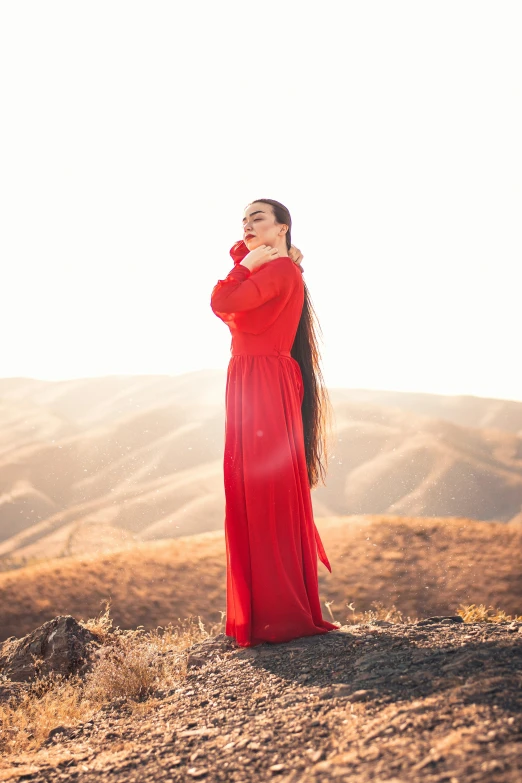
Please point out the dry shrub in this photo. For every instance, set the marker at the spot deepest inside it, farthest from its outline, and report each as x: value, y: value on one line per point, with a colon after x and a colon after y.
x: 133, y: 664
x: 128, y: 664
x: 471, y: 613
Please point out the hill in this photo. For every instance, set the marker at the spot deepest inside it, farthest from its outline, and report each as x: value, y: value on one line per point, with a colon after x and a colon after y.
x: 422, y: 566
x: 97, y: 464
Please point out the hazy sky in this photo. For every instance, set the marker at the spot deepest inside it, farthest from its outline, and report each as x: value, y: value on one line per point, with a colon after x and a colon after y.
x: 133, y: 135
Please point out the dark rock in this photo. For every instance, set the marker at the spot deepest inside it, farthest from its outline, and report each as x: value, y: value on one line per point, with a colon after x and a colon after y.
x: 60, y: 732
x: 362, y: 695
x: 450, y: 618
x: 196, y: 660
x: 60, y: 645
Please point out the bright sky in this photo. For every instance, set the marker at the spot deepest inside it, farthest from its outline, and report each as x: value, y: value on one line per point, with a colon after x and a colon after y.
x: 135, y: 134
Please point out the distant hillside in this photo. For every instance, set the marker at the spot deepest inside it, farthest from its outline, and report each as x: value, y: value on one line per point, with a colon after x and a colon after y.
x: 422, y: 566
x: 97, y: 464
x: 462, y: 409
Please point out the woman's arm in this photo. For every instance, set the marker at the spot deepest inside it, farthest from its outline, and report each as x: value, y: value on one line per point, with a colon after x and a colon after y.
x: 241, y: 290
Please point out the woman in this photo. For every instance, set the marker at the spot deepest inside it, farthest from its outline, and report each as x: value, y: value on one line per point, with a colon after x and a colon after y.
x: 275, y: 414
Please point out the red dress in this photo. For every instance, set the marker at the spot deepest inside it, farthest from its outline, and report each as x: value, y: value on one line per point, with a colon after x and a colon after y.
x: 272, y: 542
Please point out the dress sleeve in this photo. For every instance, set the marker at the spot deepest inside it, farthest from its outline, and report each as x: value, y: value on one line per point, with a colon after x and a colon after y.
x: 241, y: 290
x: 250, y: 301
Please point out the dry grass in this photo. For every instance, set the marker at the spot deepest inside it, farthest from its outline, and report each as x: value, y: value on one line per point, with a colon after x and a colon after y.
x: 49, y: 702
x: 479, y: 614
x: 128, y: 665
x: 378, y: 612
x: 470, y: 613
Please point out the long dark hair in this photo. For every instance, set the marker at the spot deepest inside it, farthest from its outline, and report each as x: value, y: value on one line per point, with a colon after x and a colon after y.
x: 316, y: 409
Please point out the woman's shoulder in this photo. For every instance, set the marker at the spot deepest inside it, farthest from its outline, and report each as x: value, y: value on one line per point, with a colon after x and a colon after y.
x: 287, y: 264
x: 280, y: 267
x: 289, y: 267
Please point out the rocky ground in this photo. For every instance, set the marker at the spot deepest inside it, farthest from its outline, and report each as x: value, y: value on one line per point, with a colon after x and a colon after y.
x: 437, y: 701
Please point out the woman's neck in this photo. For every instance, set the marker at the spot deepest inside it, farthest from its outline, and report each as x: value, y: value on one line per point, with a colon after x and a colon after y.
x: 281, y: 246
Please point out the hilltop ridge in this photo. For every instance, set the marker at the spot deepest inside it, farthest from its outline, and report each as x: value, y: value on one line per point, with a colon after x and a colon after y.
x: 423, y: 566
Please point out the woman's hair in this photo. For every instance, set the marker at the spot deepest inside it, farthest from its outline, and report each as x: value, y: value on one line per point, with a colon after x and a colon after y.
x: 316, y: 409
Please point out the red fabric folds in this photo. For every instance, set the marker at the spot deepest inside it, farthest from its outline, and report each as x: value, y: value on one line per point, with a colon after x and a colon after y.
x: 272, y: 542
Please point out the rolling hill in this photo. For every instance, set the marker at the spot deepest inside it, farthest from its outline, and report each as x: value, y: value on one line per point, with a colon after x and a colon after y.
x: 99, y: 464
x: 422, y: 566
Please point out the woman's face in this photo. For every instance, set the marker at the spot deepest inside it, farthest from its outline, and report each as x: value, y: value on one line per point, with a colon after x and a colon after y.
x: 259, y: 223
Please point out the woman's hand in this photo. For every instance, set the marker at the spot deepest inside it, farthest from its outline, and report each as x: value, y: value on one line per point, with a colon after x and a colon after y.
x: 295, y: 254
x: 259, y: 256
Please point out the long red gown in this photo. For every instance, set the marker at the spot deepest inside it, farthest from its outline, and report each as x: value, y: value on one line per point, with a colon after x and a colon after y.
x: 272, y: 542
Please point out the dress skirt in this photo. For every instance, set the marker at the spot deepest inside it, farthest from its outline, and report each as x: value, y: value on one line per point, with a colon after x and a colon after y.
x: 272, y: 542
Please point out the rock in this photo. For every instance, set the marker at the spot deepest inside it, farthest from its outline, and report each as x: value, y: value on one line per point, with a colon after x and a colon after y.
x: 450, y: 618
x: 245, y: 652
x: 60, y: 732
x: 370, y: 660
x: 362, y: 695
x: 196, y: 660
x: 205, y: 731
x: 345, y: 691
x: 60, y: 645
x: 341, y: 690
x: 323, y: 766
x: 214, y: 645
x: 427, y: 761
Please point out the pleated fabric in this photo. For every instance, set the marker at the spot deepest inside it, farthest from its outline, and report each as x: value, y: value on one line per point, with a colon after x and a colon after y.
x: 272, y: 542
